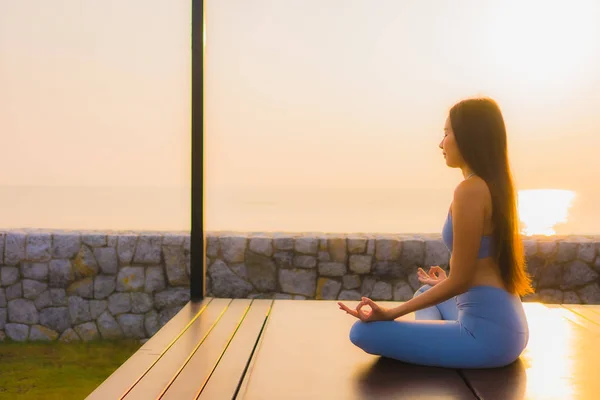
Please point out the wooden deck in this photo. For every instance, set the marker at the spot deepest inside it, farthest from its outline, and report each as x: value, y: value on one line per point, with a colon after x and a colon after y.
x: 294, y: 349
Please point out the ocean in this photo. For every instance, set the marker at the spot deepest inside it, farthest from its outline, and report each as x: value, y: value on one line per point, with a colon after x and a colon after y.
x: 333, y: 210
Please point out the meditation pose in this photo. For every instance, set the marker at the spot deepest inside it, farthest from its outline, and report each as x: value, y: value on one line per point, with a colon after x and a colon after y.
x: 473, y: 317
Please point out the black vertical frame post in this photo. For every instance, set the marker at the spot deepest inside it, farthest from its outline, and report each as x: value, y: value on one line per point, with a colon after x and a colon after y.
x: 197, y: 239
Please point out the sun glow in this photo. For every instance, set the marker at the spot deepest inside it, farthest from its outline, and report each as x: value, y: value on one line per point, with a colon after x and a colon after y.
x: 547, y: 378
x: 545, y: 44
x: 541, y: 210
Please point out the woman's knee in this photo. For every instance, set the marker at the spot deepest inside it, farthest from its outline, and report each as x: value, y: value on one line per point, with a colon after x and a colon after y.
x: 358, y: 333
x: 421, y: 290
x: 361, y: 336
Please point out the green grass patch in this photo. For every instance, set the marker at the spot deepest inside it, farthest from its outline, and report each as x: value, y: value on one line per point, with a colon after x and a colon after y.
x: 59, y: 370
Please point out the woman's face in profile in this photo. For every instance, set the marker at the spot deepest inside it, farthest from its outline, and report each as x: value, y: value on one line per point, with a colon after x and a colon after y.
x: 449, y: 147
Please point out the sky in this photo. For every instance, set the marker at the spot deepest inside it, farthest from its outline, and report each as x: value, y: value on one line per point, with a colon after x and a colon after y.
x: 311, y: 107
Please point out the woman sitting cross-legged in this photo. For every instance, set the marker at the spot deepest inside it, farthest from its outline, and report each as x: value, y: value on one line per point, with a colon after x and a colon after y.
x: 472, y: 318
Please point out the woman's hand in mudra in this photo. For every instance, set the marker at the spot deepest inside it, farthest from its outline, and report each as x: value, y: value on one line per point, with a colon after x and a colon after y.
x: 376, y: 312
x: 435, y: 275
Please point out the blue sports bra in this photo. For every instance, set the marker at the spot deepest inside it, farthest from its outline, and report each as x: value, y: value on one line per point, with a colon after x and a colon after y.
x: 485, y: 247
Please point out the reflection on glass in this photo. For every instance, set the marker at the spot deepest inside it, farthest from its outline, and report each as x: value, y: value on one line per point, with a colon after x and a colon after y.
x: 541, y: 210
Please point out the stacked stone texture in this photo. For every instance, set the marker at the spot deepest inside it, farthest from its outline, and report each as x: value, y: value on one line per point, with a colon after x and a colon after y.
x: 92, y: 285
x: 88, y: 285
x: 383, y: 267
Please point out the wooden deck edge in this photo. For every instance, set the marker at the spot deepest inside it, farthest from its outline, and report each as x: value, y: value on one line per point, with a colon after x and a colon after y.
x: 143, y: 359
x: 200, y: 343
x: 235, y: 355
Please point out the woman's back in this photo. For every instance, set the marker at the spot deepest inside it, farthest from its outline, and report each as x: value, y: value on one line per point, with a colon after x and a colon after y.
x: 487, y: 270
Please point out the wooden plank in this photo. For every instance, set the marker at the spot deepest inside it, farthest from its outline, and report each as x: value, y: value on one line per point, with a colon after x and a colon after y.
x: 589, y: 313
x: 306, y: 354
x: 557, y: 363
x: 176, y: 326
x: 225, y: 379
x: 122, y: 379
x: 161, y: 373
x: 201, y: 362
x: 250, y: 366
x: 593, y: 307
x: 574, y: 317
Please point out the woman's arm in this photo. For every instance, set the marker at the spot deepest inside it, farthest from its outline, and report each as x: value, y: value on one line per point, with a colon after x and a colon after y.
x: 468, y: 216
x: 439, y: 293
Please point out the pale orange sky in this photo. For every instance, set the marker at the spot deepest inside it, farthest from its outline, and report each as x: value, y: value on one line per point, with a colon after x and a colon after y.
x: 94, y: 92
x: 303, y: 94
x: 351, y: 93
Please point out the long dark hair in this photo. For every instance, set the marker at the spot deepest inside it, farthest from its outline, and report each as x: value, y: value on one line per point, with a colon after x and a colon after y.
x: 480, y: 133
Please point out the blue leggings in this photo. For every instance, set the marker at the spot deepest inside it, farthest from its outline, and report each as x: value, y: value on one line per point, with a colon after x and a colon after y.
x: 485, y: 327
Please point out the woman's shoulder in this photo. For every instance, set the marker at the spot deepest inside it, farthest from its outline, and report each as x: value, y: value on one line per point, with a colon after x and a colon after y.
x: 472, y: 192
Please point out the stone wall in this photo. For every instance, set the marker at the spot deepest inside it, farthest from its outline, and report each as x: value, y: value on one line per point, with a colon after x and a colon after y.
x: 383, y: 267
x: 84, y: 286
x: 57, y: 285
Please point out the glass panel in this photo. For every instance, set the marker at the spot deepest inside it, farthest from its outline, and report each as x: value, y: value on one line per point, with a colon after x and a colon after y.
x: 95, y: 114
x: 327, y: 116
